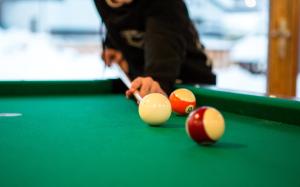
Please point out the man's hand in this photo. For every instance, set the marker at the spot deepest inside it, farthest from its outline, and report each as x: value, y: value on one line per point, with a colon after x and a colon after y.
x: 110, y: 56
x: 144, y: 85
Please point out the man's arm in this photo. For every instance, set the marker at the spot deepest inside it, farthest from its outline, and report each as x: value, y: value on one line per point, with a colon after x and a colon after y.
x: 165, y: 48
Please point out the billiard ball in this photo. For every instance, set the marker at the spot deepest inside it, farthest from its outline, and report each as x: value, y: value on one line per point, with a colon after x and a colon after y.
x: 155, y: 109
x: 183, y: 101
x: 205, y: 125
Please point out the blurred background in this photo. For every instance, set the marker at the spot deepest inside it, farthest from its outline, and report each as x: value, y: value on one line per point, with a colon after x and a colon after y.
x: 60, y: 40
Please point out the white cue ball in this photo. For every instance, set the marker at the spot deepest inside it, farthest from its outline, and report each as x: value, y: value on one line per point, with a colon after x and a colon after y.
x: 155, y: 109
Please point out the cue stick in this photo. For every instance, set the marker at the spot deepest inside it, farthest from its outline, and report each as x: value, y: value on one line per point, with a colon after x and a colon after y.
x: 126, y: 80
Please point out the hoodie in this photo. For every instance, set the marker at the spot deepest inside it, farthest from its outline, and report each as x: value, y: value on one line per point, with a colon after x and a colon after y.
x: 158, y: 39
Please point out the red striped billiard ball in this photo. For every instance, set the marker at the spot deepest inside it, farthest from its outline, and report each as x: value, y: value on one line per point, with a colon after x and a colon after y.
x: 183, y: 101
x: 205, y: 125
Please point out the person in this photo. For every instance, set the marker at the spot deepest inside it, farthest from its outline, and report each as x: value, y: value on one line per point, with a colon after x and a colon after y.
x: 155, y: 43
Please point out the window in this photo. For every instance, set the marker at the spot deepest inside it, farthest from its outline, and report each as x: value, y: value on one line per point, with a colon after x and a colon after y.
x: 235, y: 33
x: 60, y: 39
x: 50, y: 40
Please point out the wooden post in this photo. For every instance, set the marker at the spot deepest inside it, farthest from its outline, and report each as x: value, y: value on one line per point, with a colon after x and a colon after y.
x: 283, y: 47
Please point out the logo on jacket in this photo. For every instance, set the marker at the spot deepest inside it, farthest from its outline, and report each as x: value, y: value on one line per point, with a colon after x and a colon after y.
x: 134, y: 38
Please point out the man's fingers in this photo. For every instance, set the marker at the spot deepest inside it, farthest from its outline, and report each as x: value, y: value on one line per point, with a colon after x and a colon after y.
x: 136, y: 83
x: 118, y: 57
x: 111, y: 55
x: 129, y: 93
x: 107, y: 57
x: 157, y: 89
x: 124, y: 66
x: 146, y: 86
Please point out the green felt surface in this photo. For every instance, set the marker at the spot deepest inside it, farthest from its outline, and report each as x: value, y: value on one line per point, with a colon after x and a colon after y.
x: 99, y: 140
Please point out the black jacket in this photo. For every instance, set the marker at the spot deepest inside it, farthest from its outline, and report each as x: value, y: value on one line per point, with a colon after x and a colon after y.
x: 158, y: 39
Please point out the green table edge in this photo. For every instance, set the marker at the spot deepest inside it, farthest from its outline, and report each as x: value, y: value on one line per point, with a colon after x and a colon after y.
x: 264, y: 107
x: 267, y: 108
x: 22, y: 88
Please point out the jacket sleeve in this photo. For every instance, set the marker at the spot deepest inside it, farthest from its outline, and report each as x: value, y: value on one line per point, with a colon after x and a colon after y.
x: 165, y: 49
x: 109, y: 42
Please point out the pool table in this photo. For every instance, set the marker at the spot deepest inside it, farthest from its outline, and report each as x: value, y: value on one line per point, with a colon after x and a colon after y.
x: 83, y: 133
